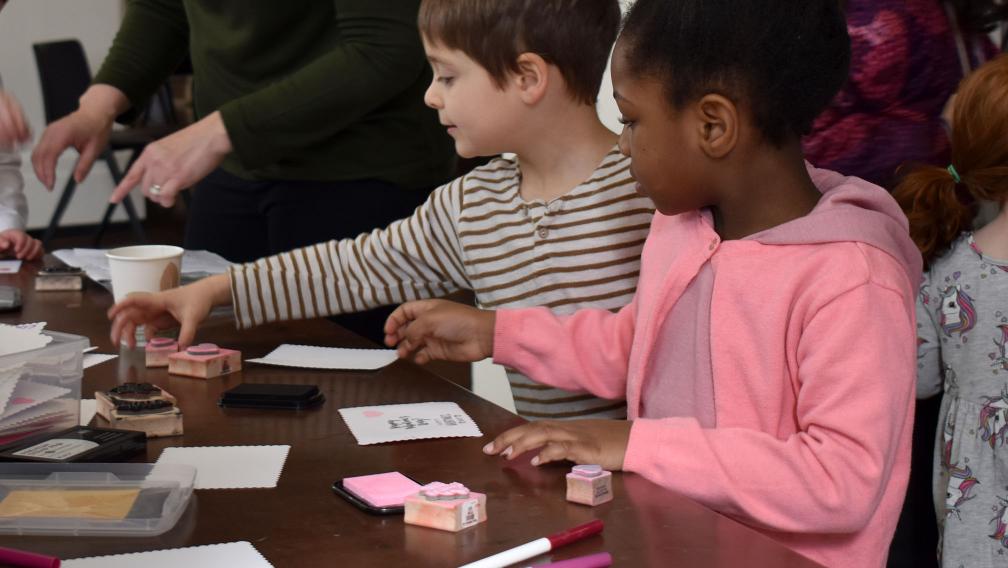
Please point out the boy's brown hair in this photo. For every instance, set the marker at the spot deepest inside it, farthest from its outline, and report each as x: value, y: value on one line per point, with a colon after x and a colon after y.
x: 940, y: 202
x: 574, y: 35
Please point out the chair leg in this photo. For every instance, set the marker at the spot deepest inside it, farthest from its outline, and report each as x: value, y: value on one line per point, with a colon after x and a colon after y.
x: 127, y: 204
x: 106, y: 219
x: 64, y: 200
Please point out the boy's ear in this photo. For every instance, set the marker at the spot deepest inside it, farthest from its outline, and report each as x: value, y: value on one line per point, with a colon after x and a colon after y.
x: 719, y: 125
x: 532, y: 78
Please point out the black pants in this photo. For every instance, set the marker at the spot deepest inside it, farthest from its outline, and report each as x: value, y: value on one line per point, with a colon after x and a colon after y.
x: 915, y: 543
x: 244, y: 220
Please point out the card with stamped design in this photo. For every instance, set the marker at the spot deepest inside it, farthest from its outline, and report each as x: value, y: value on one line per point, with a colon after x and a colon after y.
x: 416, y: 421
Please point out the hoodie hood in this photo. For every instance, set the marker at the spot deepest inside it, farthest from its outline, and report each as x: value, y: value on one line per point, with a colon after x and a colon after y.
x: 851, y: 210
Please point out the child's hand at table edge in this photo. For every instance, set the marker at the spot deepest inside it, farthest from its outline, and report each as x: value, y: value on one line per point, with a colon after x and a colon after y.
x: 20, y: 245
x: 601, y: 442
x: 428, y: 330
x: 185, y: 307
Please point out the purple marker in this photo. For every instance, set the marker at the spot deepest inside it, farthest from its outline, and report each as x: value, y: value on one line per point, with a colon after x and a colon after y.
x: 600, y: 560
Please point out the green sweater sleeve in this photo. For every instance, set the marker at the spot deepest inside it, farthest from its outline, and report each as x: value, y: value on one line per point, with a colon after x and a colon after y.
x: 377, y: 56
x: 151, y: 41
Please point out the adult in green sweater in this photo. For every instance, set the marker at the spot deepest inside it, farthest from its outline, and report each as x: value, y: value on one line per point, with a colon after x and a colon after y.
x: 311, y: 122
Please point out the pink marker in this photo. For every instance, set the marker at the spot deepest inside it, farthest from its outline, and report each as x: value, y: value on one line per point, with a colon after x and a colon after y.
x: 538, y: 546
x: 15, y: 557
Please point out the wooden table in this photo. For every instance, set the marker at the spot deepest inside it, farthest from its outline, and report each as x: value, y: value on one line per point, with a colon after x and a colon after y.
x: 302, y: 523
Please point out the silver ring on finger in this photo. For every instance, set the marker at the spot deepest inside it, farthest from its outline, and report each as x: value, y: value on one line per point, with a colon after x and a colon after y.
x: 154, y: 189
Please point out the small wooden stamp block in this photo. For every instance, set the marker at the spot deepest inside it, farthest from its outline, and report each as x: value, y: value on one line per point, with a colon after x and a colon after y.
x: 446, y: 506
x: 589, y: 485
x: 158, y: 349
x: 204, y: 361
x: 141, y: 407
x: 59, y: 279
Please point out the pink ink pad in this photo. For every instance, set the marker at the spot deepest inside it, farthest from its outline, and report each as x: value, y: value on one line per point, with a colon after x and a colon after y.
x: 382, y: 489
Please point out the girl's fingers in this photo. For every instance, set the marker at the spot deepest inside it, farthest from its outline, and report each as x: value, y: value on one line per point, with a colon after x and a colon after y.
x: 527, y: 437
x: 554, y: 451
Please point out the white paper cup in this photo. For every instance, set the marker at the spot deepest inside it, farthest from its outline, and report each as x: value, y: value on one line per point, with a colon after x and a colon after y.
x: 144, y: 268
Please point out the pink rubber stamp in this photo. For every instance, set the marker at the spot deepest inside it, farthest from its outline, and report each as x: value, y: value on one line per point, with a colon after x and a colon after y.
x: 204, y: 361
x: 158, y: 349
x: 446, y: 506
x: 589, y: 485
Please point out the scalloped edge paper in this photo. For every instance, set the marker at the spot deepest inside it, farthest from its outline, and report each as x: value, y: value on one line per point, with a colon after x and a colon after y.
x: 240, y: 553
x: 231, y: 467
x: 414, y: 421
x: 334, y: 358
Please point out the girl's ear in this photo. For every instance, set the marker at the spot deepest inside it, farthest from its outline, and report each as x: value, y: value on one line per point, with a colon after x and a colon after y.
x: 718, y: 121
x: 532, y: 78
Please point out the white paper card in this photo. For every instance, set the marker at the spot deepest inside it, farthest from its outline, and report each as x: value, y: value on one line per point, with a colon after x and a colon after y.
x: 52, y: 411
x: 231, y: 467
x: 28, y: 395
x: 92, y: 359
x: 88, y: 409
x: 311, y: 357
x: 10, y: 266
x: 21, y: 338
x: 228, y: 555
x: 400, y: 422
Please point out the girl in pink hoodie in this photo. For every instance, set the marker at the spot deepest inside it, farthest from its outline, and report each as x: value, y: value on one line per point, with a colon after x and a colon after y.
x: 768, y: 357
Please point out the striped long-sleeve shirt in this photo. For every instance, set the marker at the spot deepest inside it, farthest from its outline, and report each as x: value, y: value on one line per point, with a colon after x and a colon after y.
x: 579, y: 250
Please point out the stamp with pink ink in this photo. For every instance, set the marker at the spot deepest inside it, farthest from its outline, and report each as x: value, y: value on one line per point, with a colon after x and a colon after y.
x: 445, y: 506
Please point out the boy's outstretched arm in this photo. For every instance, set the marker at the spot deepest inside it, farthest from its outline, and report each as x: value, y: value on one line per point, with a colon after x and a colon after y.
x: 411, y: 259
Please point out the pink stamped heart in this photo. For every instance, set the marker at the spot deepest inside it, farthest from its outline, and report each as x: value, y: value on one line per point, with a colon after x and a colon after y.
x: 372, y: 413
x: 22, y: 400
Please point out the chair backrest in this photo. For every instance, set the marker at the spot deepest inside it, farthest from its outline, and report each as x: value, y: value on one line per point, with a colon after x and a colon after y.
x: 64, y: 74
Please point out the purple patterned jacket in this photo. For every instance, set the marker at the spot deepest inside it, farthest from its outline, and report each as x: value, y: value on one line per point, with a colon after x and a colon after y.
x: 904, y: 67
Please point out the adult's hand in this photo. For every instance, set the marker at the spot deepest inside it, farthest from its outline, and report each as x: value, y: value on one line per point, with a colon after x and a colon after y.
x: 177, y: 161
x: 86, y: 129
x: 14, y: 128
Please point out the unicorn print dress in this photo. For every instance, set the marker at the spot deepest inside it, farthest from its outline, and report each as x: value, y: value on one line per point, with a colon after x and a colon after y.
x: 962, y: 327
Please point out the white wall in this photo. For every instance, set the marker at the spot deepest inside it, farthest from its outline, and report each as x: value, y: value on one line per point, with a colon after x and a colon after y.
x: 606, y: 105
x: 22, y: 23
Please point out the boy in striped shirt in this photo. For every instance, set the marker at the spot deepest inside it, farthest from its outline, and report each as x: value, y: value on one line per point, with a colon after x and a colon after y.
x: 559, y: 225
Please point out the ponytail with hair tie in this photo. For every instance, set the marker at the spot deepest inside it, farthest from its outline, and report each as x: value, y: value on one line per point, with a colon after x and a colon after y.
x: 941, y: 203
x: 955, y: 175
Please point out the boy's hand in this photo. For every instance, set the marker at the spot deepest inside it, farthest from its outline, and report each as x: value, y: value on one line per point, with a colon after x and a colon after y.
x: 602, y: 442
x: 439, y: 329
x: 19, y: 244
x: 186, y: 307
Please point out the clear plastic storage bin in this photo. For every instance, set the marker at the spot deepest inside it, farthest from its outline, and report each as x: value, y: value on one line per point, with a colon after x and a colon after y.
x: 52, y: 373
x: 93, y: 499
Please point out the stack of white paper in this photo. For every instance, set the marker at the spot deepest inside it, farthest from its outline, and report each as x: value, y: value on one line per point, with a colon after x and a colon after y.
x: 195, y: 263
x: 26, y: 406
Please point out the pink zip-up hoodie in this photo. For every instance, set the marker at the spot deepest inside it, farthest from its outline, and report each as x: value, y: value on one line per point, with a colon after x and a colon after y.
x: 810, y: 356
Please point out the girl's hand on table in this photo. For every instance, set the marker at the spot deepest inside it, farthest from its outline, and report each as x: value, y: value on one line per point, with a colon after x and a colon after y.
x: 601, y: 442
x: 428, y: 330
